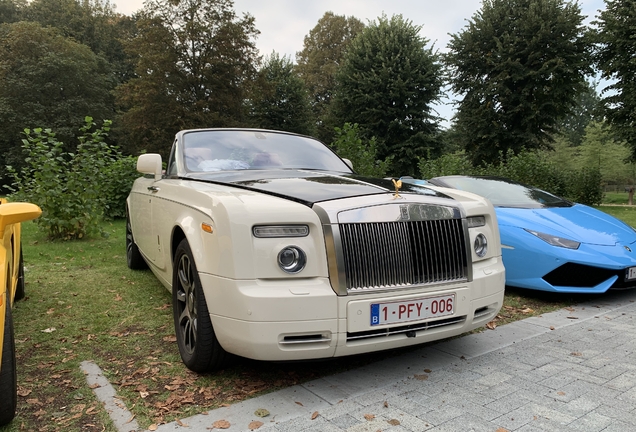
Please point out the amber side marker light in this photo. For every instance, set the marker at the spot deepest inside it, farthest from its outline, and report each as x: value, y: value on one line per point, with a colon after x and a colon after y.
x: 207, y: 228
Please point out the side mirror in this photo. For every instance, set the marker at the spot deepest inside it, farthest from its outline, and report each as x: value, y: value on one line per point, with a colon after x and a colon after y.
x: 12, y: 213
x: 150, y: 163
x: 348, y: 162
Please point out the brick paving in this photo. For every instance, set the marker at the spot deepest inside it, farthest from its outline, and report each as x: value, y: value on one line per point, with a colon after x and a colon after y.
x: 570, y: 370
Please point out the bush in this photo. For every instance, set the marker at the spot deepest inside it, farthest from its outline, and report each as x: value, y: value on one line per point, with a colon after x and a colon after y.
x: 585, y: 186
x: 120, y: 174
x: 449, y: 164
x: 348, y: 144
x: 75, y: 190
x: 531, y: 168
x: 528, y: 167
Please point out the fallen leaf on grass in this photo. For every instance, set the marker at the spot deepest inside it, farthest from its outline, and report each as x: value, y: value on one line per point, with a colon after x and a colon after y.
x: 48, y: 330
x: 24, y: 392
x: 491, y: 325
x: 221, y: 424
x: 254, y: 425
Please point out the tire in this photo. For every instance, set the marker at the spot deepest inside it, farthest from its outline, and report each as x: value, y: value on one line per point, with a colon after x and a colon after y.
x: 134, y: 258
x: 20, y: 290
x: 199, y: 348
x: 8, y: 373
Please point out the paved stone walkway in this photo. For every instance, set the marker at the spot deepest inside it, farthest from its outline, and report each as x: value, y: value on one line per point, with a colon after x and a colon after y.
x: 570, y: 370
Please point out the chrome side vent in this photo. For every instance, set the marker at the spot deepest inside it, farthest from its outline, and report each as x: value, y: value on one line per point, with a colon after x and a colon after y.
x: 306, y: 339
x: 383, y: 255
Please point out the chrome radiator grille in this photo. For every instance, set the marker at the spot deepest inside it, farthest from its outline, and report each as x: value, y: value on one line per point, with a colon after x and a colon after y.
x: 397, y: 254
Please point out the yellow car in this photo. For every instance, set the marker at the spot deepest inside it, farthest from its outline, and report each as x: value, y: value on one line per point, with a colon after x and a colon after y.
x: 11, y: 288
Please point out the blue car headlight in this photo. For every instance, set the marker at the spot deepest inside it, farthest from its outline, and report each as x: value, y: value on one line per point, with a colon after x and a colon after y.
x: 554, y: 240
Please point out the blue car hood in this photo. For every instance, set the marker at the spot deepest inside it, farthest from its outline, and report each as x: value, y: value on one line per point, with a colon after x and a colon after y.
x: 579, y: 222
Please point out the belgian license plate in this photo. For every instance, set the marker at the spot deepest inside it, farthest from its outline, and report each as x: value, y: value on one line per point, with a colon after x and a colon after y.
x: 631, y: 273
x: 412, y: 310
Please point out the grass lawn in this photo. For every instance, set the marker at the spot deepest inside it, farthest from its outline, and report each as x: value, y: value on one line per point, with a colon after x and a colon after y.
x: 83, y: 303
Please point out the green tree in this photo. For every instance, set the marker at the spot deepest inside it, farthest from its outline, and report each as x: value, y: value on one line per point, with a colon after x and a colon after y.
x: 601, y: 151
x: 615, y: 53
x: 318, y: 62
x: 585, y: 111
x: 91, y: 22
x: 47, y: 79
x: 518, y: 66
x: 387, y: 84
x: 279, y: 99
x: 194, y: 60
x: 11, y: 10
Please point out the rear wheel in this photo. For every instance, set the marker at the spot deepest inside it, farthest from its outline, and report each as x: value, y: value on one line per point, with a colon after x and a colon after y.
x: 134, y: 259
x: 198, y: 346
x: 20, y: 290
x: 8, y: 373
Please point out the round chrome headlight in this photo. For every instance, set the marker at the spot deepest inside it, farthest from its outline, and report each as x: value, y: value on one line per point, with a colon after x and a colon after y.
x: 481, y: 245
x: 292, y: 259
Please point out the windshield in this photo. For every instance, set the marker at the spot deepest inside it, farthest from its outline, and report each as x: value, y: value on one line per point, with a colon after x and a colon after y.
x: 503, y: 192
x: 221, y: 150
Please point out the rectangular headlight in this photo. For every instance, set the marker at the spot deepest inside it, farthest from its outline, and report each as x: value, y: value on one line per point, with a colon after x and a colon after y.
x: 276, y: 231
x: 476, y: 221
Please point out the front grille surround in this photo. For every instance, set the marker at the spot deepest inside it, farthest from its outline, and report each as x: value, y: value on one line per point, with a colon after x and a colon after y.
x: 389, y: 255
x: 423, y: 244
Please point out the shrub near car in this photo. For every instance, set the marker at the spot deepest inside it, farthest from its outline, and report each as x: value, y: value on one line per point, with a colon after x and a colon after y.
x: 11, y: 289
x: 274, y: 249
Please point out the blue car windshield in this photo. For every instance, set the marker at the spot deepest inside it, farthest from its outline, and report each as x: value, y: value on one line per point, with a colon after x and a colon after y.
x: 221, y: 150
x: 503, y: 192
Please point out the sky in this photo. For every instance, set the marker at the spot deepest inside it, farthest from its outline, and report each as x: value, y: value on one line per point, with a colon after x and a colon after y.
x: 285, y: 23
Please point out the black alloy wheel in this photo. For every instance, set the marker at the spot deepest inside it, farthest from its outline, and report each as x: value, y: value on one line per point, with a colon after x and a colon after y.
x: 8, y: 373
x: 199, y: 348
x: 20, y: 290
x: 134, y: 258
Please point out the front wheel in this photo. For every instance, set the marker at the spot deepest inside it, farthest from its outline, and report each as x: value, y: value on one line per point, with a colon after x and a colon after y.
x: 134, y: 259
x: 8, y: 373
x: 199, y: 348
x: 20, y: 290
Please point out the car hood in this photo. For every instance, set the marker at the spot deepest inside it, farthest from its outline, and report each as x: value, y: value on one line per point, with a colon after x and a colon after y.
x: 579, y: 222
x: 308, y: 187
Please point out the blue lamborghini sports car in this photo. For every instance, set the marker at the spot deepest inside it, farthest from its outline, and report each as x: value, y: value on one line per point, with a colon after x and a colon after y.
x: 551, y: 244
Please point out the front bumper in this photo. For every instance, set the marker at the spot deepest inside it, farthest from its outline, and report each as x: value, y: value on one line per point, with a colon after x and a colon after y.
x: 297, y: 319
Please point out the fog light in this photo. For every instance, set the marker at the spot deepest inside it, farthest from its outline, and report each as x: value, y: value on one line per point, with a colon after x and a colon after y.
x: 292, y: 259
x: 481, y: 245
